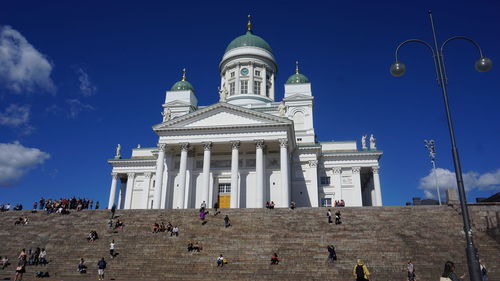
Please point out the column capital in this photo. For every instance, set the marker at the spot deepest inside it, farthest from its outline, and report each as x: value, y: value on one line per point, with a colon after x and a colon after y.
x: 355, y: 170
x: 313, y: 163
x: 162, y: 146
x: 148, y: 175
x: 337, y: 170
x: 130, y: 175
x: 235, y: 144
x: 259, y: 143
x: 114, y: 175
x: 283, y: 142
x: 207, y: 145
x: 375, y: 169
x: 184, y: 146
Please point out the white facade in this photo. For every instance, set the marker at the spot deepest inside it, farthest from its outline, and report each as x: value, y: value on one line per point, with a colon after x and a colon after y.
x: 245, y: 150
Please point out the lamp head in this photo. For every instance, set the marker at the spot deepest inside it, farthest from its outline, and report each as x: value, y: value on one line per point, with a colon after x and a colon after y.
x: 398, y: 69
x: 483, y: 64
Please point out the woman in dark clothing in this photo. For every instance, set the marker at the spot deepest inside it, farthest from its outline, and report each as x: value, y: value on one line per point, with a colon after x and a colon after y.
x: 449, y: 271
x: 332, y: 256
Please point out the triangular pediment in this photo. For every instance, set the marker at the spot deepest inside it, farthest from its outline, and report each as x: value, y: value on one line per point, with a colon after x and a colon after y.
x: 222, y: 115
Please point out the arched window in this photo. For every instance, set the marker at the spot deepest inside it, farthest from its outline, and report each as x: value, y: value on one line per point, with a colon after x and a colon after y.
x: 298, y: 120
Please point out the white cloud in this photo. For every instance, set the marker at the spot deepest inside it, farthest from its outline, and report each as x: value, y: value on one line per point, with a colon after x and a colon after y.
x: 15, y: 115
x: 22, y: 67
x: 446, y: 179
x: 16, y: 160
x: 76, y: 106
x: 87, y: 88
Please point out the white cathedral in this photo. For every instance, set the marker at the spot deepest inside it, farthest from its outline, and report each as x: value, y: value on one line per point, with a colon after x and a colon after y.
x: 245, y: 150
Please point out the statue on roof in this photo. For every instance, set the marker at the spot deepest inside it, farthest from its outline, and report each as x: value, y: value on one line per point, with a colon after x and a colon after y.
x: 118, y: 152
x: 372, y: 143
x: 363, y: 142
x: 282, y: 109
x: 223, y: 93
x: 166, y: 114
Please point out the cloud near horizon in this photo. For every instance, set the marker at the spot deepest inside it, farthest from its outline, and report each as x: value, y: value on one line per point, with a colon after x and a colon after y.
x: 23, y: 68
x: 446, y: 180
x: 16, y: 160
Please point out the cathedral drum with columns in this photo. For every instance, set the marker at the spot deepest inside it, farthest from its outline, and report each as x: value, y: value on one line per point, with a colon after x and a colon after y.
x: 245, y: 150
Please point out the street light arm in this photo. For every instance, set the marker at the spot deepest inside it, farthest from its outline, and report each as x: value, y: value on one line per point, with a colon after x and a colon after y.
x: 463, y: 38
x: 414, y: 41
x: 434, y: 56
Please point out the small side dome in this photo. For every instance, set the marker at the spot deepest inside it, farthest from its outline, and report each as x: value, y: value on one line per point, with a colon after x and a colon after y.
x: 297, y: 78
x: 182, y: 85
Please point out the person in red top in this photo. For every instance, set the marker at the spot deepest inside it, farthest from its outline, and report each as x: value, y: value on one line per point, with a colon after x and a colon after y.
x: 275, y: 259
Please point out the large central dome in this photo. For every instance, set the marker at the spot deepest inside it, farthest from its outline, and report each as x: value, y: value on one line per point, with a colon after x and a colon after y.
x: 249, y: 39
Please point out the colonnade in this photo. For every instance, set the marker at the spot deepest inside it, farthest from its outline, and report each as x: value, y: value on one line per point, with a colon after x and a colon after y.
x: 182, y: 199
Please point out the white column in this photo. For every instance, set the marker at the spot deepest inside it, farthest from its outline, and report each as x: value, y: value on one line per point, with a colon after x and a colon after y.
x: 112, y: 191
x: 147, y: 186
x: 285, y: 185
x: 159, y: 175
x: 259, y: 170
x: 312, y: 187
x: 129, y: 190
x: 164, y: 185
x: 264, y: 81
x: 356, y: 179
x: 376, y: 185
x: 235, y: 187
x: 121, y: 195
x: 207, y: 147
x: 182, y: 176
x: 337, y: 183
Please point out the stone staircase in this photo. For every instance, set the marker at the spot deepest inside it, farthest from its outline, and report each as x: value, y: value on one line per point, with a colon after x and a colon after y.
x: 384, y: 237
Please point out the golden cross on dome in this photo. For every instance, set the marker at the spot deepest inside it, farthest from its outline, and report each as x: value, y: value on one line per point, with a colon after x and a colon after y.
x: 249, y: 24
x: 296, y: 67
x: 183, y: 74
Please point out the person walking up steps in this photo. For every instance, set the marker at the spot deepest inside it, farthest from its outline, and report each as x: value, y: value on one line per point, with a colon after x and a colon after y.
x: 112, y: 249
x: 329, y: 215
x: 411, y: 271
x: 360, y: 271
x: 101, y: 266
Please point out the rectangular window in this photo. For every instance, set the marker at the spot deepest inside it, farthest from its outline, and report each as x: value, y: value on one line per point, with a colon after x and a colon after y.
x: 232, y: 74
x: 267, y: 90
x: 256, y: 87
x: 257, y: 73
x: 231, y: 88
x: 244, y: 87
x: 325, y: 180
x: 224, y: 188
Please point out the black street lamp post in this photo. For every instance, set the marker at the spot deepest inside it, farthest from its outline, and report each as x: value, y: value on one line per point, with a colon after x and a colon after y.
x: 483, y: 64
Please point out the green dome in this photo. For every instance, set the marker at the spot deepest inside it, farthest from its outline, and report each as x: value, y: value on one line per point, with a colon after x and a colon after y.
x: 182, y: 85
x: 249, y: 40
x: 297, y: 78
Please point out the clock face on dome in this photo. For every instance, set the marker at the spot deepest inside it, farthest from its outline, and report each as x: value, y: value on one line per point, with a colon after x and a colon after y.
x: 244, y: 71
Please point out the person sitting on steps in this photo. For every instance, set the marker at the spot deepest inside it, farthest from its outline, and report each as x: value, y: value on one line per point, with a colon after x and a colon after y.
x: 221, y: 261
x: 197, y: 247
x: 175, y: 231
x: 82, y: 268
x: 155, y: 227
x: 275, y: 259
x: 227, y: 222
x: 190, y: 246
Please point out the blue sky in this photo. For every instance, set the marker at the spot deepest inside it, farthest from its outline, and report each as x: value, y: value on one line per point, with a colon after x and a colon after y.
x: 94, y: 74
